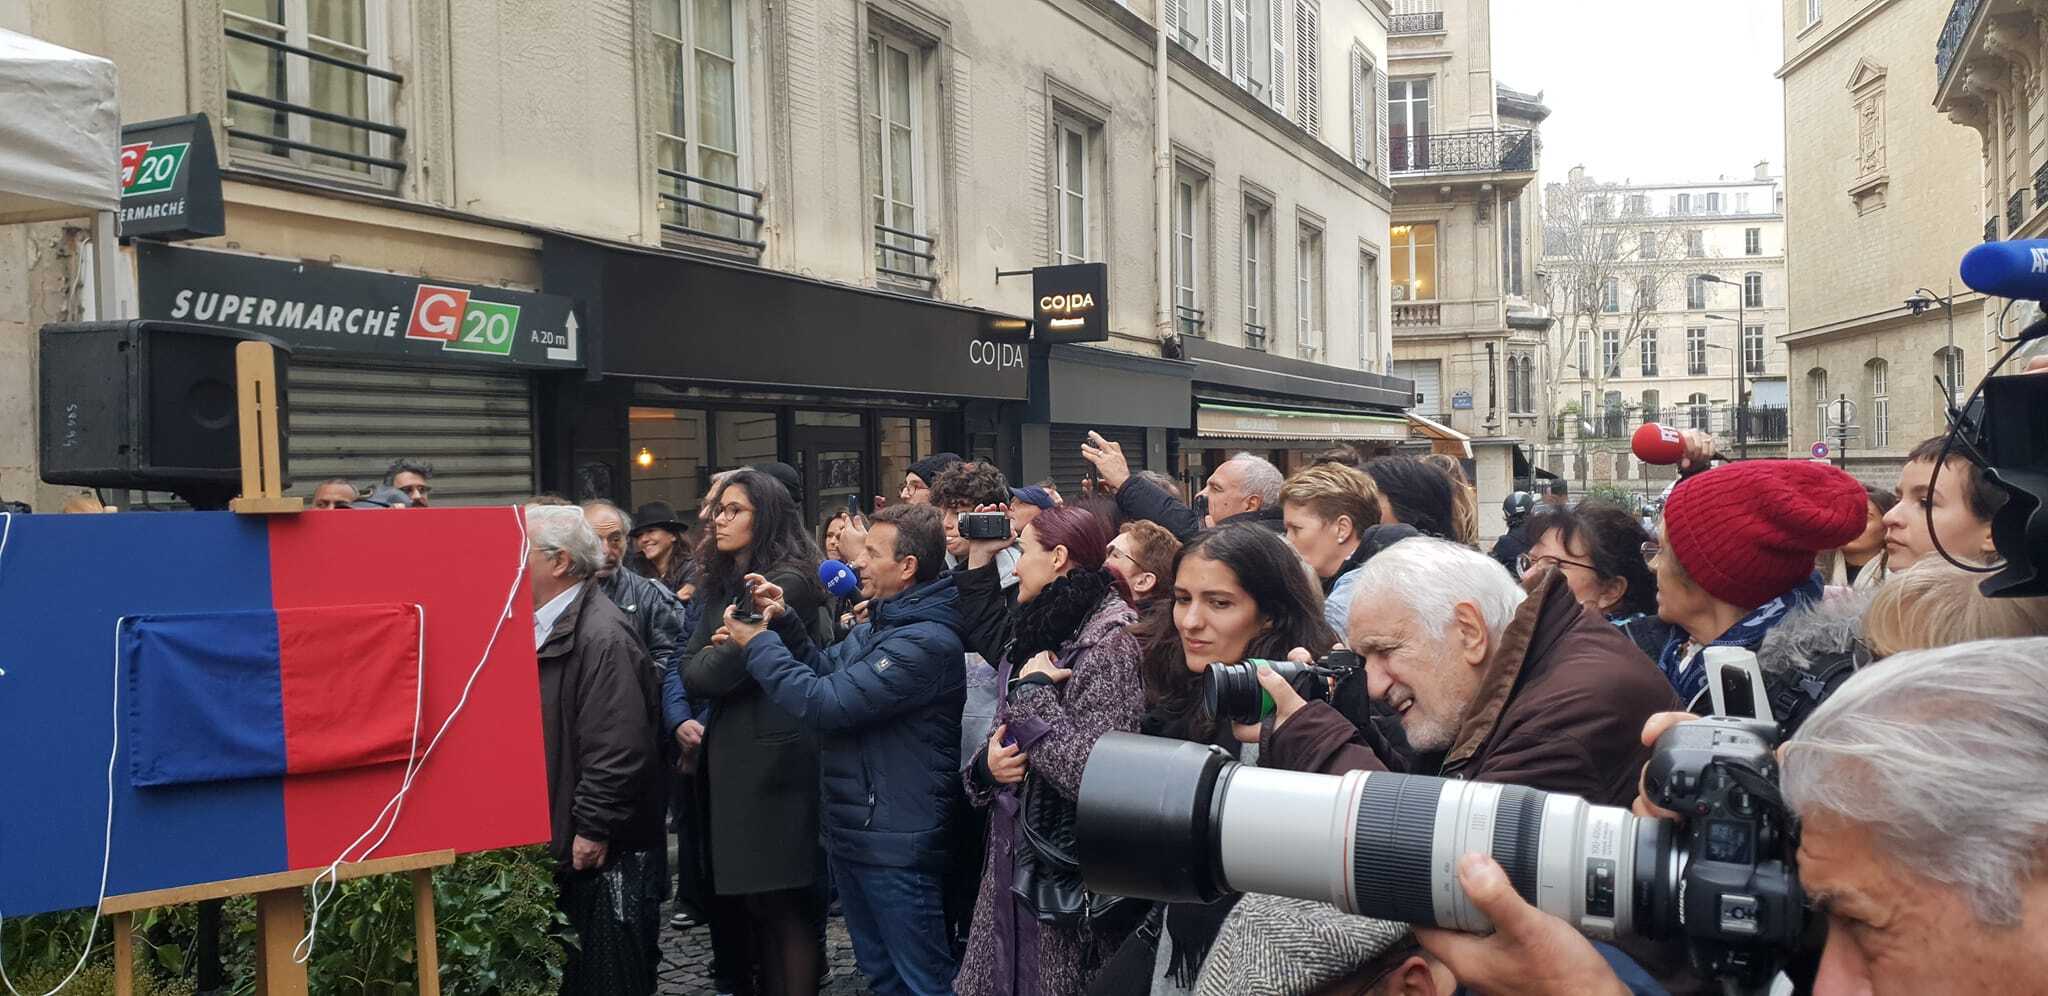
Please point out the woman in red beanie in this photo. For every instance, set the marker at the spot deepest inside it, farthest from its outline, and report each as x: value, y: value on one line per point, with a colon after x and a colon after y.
x: 1737, y: 553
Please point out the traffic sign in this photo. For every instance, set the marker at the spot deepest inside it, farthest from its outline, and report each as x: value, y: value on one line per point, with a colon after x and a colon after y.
x: 1841, y: 412
x: 1821, y: 451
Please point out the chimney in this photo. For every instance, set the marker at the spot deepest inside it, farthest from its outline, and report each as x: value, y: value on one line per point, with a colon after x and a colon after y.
x: 1763, y: 169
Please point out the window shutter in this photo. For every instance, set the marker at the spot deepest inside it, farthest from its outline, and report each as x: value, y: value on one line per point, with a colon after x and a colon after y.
x: 1359, y: 81
x: 1219, y: 49
x: 1379, y: 88
x: 1308, y: 66
x: 1241, y: 42
x: 1173, y: 19
x: 1276, y: 30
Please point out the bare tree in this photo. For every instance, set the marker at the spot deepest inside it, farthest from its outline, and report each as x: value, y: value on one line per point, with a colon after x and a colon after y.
x: 1607, y: 265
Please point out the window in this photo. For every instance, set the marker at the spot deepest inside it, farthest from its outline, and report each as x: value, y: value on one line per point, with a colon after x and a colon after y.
x: 1512, y: 256
x: 1646, y: 293
x: 1653, y: 405
x: 1308, y: 289
x: 699, y: 44
x: 1074, y: 193
x: 1277, y: 30
x: 1695, y: 244
x: 1812, y: 12
x: 1646, y: 245
x: 1414, y: 261
x: 1524, y: 372
x: 1610, y: 352
x: 1636, y: 206
x: 1681, y: 204
x: 1610, y: 245
x: 1308, y: 66
x: 1817, y: 387
x: 1696, y: 352
x: 1699, y: 414
x: 1514, y: 383
x: 895, y: 154
x: 1585, y: 355
x: 1610, y: 295
x: 351, y: 32
x: 1695, y: 293
x: 1257, y: 281
x: 1752, y: 242
x: 1364, y: 102
x: 1408, y: 121
x: 1603, y: 207
x: 1714, y: 203
x: 1880, y: 403
x: 1949, y: 360
x: 1752, y: 290
x: 1648, y: 348
x: 1368, y: 310
x: 1753, y: 349
x: 1742, y: 203
x: 1190, y: 213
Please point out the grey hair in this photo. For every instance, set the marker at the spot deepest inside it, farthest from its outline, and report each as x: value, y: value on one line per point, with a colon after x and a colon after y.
x: 1941, y: 754
x: 1432, y: 577
x: 594, y: 504
x: 562, y: 529
x: 1261, y: 478
x: 1822, y: 630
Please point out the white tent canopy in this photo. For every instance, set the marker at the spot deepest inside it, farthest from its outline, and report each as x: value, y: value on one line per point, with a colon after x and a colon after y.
x: 60, y: 132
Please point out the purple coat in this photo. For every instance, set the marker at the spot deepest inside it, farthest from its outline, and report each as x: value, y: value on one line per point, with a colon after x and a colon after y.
x: 1009, y: 953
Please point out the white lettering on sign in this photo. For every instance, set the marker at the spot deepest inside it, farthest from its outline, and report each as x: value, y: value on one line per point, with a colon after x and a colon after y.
x: 1000, y: 355
x: 2040, y: 260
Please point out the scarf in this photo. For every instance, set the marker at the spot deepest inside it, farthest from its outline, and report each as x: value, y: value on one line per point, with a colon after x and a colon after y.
x: 1688, y: 672
x: 1054, y: 618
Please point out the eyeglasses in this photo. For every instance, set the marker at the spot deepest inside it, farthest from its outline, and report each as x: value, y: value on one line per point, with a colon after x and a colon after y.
x: 729, y: 512
x: 1651, y: 549
x: 1525, y: 562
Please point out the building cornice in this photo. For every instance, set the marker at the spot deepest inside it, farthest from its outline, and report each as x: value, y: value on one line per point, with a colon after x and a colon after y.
x: 1880, y: 321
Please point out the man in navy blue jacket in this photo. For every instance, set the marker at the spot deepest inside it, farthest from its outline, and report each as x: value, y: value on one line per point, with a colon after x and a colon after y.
x: 886, y: 701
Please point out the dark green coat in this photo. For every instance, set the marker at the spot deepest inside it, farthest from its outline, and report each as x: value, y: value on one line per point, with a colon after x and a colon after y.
x: 759, y: 773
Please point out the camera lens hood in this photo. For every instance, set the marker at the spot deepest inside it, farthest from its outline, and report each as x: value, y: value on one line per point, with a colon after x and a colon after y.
x: 1143, y: 823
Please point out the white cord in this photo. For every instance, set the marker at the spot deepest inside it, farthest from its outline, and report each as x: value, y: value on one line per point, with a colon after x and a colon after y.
x: 107, y: 849
x: 330, y: 875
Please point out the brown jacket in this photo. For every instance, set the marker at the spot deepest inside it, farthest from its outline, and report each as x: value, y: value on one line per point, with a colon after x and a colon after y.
x: 600, y: 709
x: 1560, y: 708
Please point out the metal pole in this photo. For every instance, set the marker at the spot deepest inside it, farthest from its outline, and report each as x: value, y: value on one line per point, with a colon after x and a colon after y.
x: 1950, y: 302
x: 1741, y: 357
x: 1162, y: 169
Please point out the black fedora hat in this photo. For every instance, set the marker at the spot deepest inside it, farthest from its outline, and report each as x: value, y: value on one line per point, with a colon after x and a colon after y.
x: 657, y: 514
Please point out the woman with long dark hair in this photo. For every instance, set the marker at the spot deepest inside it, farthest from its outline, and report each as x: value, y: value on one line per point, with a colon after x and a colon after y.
x: 1239, y: 593
x: 1075, y: 667
x: 758, y: 775
x: 1414, y: 493
x: 661, y: 549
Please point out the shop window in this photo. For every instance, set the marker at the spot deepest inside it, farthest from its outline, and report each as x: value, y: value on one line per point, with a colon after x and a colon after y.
x: 670, y: 457
x: 904, y: 441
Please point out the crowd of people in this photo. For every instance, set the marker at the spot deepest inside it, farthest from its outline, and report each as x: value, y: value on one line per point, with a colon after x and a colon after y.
x: 910, y: 754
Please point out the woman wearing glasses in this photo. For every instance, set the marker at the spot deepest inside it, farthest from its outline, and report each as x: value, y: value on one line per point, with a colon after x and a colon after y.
x: 759, y: 771
x: 1599, y: 549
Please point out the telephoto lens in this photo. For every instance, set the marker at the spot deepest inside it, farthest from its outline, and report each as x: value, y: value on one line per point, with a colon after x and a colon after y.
x: 1232, y: 691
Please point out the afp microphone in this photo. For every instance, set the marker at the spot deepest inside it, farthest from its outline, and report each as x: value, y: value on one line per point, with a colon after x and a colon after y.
x: 2015, y: 269
x: 838, y: 579
x: 1661, y: 445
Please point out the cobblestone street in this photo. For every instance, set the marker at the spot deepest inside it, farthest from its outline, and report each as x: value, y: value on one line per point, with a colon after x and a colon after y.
x: 686, y: 961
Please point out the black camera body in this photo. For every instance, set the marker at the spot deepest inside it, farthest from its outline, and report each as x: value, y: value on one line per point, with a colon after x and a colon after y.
x: 984, y: 525
x: 1232, y: 690
x: 1738, y: 899
x: 743, y: 605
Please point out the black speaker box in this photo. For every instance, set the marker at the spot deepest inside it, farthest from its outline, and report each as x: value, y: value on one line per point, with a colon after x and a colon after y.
x: 146, y: 404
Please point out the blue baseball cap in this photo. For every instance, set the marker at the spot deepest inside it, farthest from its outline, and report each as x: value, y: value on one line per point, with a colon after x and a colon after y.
x: 1033, y: 495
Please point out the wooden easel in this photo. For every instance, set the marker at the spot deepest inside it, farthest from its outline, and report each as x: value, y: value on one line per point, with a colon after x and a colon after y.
x: 256, y: 400
x: 281, y: 919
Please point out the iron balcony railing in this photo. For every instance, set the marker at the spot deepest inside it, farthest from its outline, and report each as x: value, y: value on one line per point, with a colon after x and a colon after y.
x: 1255, y: 337
x: 906, y: 255
x: 1188, y: 320
x: 696, y: 204
x: 1953, y: 31
x: 1426, y: 22
x: 1765, y: 424
x: 1991, y: 229
x: 1504, y: 150
x: 283, y: 144
x: 2041, y: 185
x: 2015, y: 210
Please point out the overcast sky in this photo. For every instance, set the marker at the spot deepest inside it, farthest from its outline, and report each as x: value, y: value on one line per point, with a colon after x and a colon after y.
x: 1616, y: 75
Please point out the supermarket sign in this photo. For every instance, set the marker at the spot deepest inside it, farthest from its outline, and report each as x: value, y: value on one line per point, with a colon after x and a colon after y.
x: 319, y: 306
x: 170, y: 180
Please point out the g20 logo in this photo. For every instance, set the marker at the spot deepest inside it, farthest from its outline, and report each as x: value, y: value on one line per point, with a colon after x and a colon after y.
x: 449, y: 316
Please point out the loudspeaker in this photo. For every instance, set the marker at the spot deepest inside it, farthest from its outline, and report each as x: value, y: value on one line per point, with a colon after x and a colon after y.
x: 148, y: 405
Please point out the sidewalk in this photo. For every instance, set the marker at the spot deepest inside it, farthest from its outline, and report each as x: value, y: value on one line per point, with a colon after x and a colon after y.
x: 686, y: 961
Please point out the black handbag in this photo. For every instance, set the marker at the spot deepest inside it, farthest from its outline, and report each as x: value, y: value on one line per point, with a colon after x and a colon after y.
x: 1045, y: 876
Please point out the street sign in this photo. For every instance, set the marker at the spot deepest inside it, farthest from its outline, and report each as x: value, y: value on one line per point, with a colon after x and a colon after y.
x: 1841, y: 413
x: 1461, y: 400
x: 1821, y: 451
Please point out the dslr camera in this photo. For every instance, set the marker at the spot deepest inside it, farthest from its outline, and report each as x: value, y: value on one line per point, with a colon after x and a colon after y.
x: 1232, y: 691
x: 1174, y: 821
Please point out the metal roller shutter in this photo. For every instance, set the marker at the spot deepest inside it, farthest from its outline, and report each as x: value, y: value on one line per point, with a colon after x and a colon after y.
x: 352, y: 419
x: 1068, y: 466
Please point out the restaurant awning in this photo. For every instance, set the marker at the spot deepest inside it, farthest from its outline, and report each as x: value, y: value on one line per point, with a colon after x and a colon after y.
x: 1247, y: 422
x: 1442, y: 438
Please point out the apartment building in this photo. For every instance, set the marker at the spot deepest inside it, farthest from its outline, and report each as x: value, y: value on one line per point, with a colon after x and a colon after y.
x: 1671, y: 303
x: 691, y: 234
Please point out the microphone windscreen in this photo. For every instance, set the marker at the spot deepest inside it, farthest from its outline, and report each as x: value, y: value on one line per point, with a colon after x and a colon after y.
x: 1657, y: 444
x: 838, y: 578
x: 2015, y: 268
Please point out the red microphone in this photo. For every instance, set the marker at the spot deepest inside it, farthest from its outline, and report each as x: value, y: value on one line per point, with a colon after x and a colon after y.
x: 1661, y: 445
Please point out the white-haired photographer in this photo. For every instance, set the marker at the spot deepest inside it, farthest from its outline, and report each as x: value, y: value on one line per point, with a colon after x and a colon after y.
x: 1924, y: 839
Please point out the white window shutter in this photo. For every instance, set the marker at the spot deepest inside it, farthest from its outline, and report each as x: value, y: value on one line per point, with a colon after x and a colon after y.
x: 1219, y: 35
x: 1276, y: 29
x: 1379, y: 88
x: 1241, y: 42
x: 1360, y: 156
x: 1308, y: 66
x: 1173, y: 19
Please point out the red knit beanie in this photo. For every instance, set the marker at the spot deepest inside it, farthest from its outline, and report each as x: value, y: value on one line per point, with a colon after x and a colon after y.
x: 1748, y: 532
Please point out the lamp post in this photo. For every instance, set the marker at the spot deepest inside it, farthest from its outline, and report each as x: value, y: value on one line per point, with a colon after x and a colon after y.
x: 1923, y: 299
x: 1734, y: 356
x: 1741, y: 329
